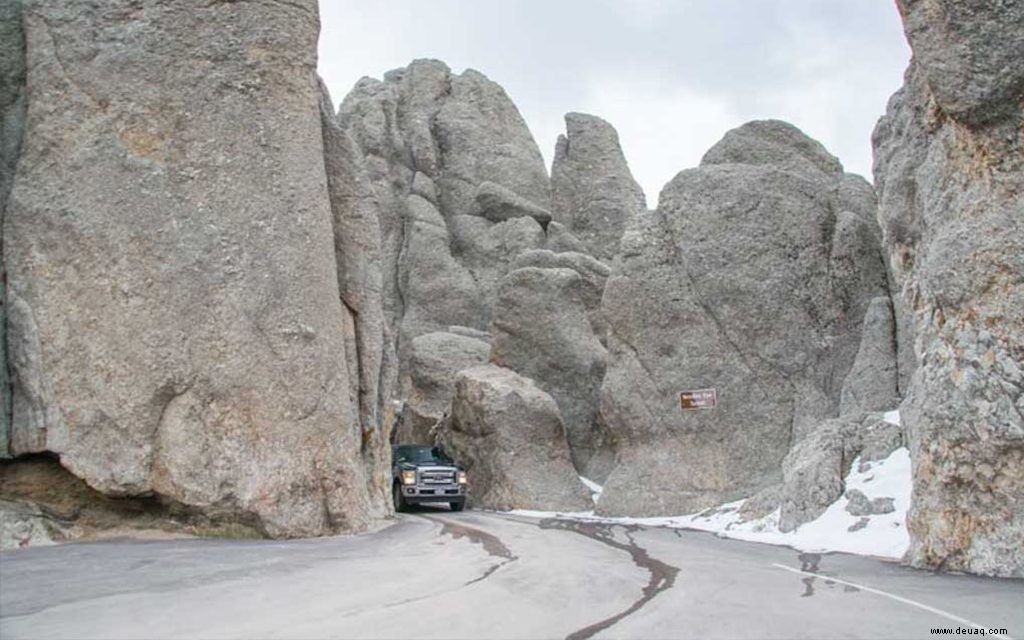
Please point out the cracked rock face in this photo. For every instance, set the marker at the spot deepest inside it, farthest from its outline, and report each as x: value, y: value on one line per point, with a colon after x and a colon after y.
x: 872, y: 384
x: 462, y: 190
x: 509, y: 435
x: 434, y: 360
x: 753, y: 277
x: 12, y: 125
x: 593, y: 192
x: 176, y: 320
x: 950, y: 174
x: 542, y: 330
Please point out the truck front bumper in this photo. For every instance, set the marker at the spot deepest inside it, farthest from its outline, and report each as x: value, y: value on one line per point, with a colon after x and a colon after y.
x: 445, y: 493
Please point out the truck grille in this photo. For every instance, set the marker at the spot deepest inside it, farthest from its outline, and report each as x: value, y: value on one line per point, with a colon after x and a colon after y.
x: 432, y: 477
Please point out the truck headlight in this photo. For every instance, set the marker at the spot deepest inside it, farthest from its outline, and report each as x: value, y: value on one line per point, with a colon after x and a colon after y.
x: 462, y: 477
x: 408, y: 477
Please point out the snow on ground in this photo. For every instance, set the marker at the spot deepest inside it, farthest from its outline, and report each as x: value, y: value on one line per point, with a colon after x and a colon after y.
x: 880, y: 535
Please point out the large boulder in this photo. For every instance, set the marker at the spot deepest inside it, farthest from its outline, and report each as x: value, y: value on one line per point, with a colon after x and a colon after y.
x: 508, y: 434
x: 542, y: 330
x: 175, y: 316
x: 950, y: 176
x: 592, y: 190
x: 753, y: 277
x: 434, y: 359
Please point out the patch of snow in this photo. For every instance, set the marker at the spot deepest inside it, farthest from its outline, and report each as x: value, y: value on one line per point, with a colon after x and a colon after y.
x: 892, y: 417
x: 594, y: 488
x: 881, y: 535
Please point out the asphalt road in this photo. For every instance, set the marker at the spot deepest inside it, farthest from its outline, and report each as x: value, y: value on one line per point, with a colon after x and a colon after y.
x: 436, y: 574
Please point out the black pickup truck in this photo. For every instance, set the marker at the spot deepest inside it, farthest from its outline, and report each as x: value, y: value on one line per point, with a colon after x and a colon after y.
x: 425, y: 474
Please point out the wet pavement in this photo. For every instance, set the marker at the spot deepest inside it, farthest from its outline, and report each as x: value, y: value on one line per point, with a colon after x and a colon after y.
x: 436, y: 574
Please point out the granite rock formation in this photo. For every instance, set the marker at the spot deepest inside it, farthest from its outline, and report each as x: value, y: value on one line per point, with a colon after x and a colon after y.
x: 434, y: 359
x: 592, y: 272
x: 12, y: 125
x: 873, y: 381
x: 509, y: 435
x: 752, y: 277
x: 542, y: 330
x: 462, y: 191
x: 592, y: 190
x: 371, y: 363
x: 815, y: 468
x: 949, y: 168
x: 216, y: 290
x: 176, y: 322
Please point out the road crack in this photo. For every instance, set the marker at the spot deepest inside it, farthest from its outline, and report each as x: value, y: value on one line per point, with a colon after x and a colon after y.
x: 662, y: 575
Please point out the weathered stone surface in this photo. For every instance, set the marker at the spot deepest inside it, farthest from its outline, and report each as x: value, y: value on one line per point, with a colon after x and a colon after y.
x: 969, y: 53
x: 774, y: 144
x: 25, y: 525
x: 815, y: 468
x: 762, y: 503
x: 425, y: 188
x: 509, y: 435
x: 560, y: 239
x: 470, y: 333
x: 483, y: 138
x: 749, y: 278
x: 542, y: 331
x: 48, y: 498
x: 950, y: 176
x: 171, y: 260
x: 459, y: 146
x: 592, y: 272
x: 369, y: 114
x: 498, y: 204
x: 593, y: 192
x: 436, y: 289
x: 861, y: 505
x: 872, y: 383
x: 434, y: 359
x: 487, y: 250
x: 12, y: 124
x: 369, y: 347
x: 813, y: 474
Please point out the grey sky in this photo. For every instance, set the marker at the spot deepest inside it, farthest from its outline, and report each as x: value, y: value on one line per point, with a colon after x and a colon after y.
x: 671, y: 75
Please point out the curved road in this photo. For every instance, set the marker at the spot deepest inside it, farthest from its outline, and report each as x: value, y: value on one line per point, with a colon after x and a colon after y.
x: 435, y: 574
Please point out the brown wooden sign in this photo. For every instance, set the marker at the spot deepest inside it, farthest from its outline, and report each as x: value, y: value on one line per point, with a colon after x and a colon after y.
x: 698, y: 399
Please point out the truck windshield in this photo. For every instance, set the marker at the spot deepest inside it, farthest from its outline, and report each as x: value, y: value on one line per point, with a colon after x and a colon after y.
x: 421, y: 455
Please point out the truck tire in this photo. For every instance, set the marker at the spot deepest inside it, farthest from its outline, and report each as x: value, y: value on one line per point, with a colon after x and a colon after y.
x: 398, y: 498
x: 457, y: 506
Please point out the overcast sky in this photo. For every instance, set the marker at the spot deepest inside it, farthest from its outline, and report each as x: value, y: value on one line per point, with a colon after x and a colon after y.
x: 672, y: 76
